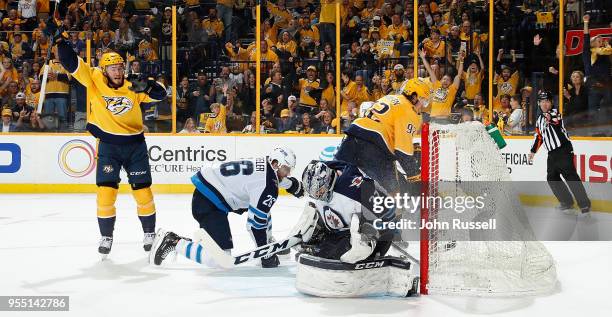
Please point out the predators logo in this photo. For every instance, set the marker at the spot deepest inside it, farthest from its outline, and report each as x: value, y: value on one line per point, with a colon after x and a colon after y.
x: 440, y: 94
x: 118, y: 106
x: 505, y: 88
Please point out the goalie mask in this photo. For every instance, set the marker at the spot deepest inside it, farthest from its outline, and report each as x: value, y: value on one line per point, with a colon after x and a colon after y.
x: 318, y: 180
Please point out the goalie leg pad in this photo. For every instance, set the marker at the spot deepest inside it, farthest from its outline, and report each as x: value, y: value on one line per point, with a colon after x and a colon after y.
x: 389, y: 276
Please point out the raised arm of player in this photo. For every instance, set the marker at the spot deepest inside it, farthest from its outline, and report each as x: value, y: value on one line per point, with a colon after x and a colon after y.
x: 75, y: 65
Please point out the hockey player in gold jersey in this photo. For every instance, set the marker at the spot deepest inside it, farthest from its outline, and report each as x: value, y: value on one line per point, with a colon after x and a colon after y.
x: 384, y: 135
x: 115, y: 119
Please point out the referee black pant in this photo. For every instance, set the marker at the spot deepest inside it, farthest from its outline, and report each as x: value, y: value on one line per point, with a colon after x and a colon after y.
x: 561, y: 163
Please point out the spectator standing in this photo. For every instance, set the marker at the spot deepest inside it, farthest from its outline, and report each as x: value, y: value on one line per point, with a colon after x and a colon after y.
x: 576, y: 94
x: 225, y: 11
x: 307, y: 102
x: 327, y: 22
x: 27, y: 10
x: 516, y: 120
x: 184, y: 106
x: 57, y: 91
x: 598, y: 71
x: 7, y: 124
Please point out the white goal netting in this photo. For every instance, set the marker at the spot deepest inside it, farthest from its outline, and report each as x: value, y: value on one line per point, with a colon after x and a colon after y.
x: 463, y: 161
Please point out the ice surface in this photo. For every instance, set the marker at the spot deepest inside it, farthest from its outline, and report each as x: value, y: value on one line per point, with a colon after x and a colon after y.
x: 48, y: 246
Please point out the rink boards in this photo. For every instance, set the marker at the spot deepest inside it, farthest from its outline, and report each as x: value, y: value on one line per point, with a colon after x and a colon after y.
x: 66, y: 163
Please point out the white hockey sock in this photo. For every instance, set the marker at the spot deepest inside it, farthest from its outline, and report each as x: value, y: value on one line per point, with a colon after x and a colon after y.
x: 191, y: 250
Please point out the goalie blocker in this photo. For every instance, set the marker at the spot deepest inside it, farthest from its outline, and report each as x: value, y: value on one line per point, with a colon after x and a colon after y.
x: 388, y: 275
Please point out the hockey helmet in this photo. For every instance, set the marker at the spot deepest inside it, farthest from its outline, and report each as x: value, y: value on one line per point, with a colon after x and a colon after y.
x: 284, y: 156
x: 318, y: 181
x: 110, y: 58
x: 416, y: 86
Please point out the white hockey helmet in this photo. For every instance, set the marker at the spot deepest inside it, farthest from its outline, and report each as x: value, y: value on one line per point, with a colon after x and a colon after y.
x: 284, y: 156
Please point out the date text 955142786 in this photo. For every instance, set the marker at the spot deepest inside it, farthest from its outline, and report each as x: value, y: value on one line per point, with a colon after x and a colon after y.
x: 34, y: 303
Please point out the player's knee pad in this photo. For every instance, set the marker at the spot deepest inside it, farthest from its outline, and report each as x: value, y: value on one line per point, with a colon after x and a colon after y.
x: 144, y: 201
x: 105, y: 201
x: 331, y: 278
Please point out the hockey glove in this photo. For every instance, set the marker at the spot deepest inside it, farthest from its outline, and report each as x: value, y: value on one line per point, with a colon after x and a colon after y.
x: 307, y: 223
x: 142, y: 85
x: 270, y: 262
x: 296, y: 189
x: 54, y: 31
x: 361, y: 246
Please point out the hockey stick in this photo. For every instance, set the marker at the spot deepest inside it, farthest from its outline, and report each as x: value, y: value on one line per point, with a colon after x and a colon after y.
x: 43, y: 82
x: 228, y: 261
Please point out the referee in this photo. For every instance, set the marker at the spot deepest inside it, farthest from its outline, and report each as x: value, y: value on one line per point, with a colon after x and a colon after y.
x: 550, y: 131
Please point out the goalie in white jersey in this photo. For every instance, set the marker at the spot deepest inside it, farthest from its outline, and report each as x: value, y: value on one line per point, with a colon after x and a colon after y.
x: 249, y: 185
x: 345, y: 255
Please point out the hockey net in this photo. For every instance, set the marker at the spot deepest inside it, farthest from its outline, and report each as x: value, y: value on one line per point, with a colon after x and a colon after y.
x: 463, y: 159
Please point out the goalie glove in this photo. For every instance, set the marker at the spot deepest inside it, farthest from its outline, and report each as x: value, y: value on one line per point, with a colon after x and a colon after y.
x: 361, y: 245
x: 307, y: 223
x: 295, y: 188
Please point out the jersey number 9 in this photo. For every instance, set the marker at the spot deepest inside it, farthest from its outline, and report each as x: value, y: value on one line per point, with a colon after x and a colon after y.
x: 234, y: 168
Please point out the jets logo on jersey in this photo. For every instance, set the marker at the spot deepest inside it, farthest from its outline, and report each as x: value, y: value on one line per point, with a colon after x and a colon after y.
x: 118, y: 106
x: 357, y: 180
x: 332, y: 220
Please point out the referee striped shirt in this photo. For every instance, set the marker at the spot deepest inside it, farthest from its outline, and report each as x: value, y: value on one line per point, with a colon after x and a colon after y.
x: 550, y: 132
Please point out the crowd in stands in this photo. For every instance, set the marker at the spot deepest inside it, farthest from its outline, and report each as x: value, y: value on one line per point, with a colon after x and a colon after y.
x: 139, y: 30
x: 298, y: 70
x: 216, y: 61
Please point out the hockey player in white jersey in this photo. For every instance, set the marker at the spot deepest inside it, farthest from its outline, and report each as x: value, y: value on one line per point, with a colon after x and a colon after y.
x: 345, y: 256
x: 249, y: 185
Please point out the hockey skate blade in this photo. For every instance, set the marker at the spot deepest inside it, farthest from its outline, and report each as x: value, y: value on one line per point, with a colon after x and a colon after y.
x: 220, y: 257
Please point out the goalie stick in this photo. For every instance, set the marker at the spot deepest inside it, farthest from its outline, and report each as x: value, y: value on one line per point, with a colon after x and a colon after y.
x: 227, y: 261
